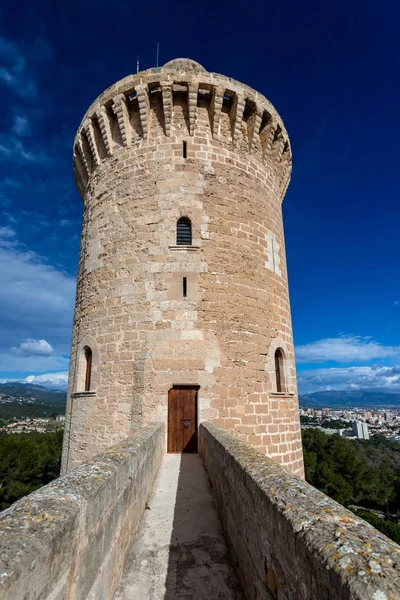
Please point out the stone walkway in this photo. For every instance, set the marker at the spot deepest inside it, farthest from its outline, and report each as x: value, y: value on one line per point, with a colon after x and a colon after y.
x: 179, y: 551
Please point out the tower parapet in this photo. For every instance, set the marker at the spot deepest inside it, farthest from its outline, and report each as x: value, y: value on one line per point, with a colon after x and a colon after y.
x: 182, y: 294
x: 138, y: 110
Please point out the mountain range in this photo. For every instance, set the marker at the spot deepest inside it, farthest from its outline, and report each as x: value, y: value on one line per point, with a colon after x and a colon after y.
x: 17, y: 391
x: 351, y: 398
x: 43, y: 395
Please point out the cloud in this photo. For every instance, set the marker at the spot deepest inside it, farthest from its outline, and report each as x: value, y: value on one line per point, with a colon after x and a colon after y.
x: 50, y: 380
x: 21, y: 126
x: 13, y: 69
x: 33, y: 348
x: 55, y: 381
x: 11, y: 147
x: 6, y: 233
x: 16, y: 65
x: 36, y: 303
x: 350, y: 378
x: 344, y: 349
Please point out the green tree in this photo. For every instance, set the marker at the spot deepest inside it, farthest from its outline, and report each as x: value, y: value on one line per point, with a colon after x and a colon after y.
x: 27, y: 462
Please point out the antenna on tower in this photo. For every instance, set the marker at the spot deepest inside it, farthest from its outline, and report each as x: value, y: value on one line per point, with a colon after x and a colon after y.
x: 158, y: 53
x: 137, y: 63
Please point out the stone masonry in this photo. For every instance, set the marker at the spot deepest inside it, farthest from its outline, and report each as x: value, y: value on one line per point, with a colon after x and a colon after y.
x: 165, y: 143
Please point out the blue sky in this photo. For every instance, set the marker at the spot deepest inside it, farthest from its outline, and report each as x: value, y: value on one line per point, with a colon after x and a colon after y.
x: 331, y: 70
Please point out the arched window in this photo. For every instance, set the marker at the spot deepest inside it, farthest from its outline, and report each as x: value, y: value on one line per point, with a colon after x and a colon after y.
x: 279, y: 370
x: 88, y: 372
x: 184, y: 232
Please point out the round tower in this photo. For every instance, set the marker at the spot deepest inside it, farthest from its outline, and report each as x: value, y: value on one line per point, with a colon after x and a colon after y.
x: 182, y: 308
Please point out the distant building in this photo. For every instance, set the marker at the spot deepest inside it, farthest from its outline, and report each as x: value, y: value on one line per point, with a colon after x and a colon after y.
x: 360, y: 430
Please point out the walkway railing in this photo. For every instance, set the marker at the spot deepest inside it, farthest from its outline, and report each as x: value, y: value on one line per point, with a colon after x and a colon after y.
x: 288, y: 540
x: 69, y: 539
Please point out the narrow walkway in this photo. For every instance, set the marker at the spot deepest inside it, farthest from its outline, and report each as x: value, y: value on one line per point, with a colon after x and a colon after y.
x: 179, y: 551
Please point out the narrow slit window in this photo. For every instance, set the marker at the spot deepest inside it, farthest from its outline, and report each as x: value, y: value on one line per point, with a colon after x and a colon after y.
x: 88, y: 372
x: 184, y: 150
x: 184, y: 287
x: 184, y: 232
x: 279, y: 372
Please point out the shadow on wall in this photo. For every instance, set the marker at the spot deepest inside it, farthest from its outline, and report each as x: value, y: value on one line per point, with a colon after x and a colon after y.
x: 199, y: 565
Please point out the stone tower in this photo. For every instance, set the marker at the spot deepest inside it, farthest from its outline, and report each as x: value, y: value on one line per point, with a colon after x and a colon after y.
x: 182, y: 291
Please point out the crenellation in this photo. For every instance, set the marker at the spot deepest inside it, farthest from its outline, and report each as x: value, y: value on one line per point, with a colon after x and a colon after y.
x: 236, y: 115
x: 84, y: 153
x: 144, y: 108
x: 192, y: 101
x: 121, y: 111
x: 80, y: 172
x: 243, y: 106
x: 166, y: 89
x: 105, y: 129
x: 90, y: 136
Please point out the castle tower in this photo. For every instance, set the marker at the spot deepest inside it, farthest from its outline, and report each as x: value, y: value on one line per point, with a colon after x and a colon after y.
x: 182, y: 309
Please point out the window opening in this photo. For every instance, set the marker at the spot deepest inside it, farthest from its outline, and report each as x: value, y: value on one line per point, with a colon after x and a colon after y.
x: 184, y: 232
x: 279, y: 370
x: 88, y: 374
x: 184, y: 287
x: 184, y: 150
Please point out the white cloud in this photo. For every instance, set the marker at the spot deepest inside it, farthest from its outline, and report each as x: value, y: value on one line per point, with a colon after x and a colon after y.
x: 55, y: 381
x: 36, y: 303
x: 11, y: 147
x: 6, y: 233
x: 344, y: 349
x: 50, y: 380
x: 13, y: 69
x: 350, y: 378
x: 33, y: 348
x: 15, y: 72
x: 21, y: 126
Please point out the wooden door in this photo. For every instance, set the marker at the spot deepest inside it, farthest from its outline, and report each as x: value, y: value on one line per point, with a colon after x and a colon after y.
x: 182, y: 419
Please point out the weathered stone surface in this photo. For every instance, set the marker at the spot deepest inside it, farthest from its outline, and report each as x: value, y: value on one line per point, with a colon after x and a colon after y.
x: 145, y: 336
x: 288, y: 540
x: 69, y: 539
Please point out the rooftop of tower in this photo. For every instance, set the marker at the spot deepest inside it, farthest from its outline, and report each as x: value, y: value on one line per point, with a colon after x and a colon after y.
x: 196, y: 73
x: 107, y: 124
x: 184, y: 64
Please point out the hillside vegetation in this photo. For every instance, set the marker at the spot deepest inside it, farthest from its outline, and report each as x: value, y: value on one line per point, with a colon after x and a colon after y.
x: 365, y: 473
x: 27, y: 461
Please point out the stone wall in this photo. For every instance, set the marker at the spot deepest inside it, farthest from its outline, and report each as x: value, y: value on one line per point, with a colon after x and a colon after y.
x: 68, y: 540
x: 288, y: 540
x: 165, y: 143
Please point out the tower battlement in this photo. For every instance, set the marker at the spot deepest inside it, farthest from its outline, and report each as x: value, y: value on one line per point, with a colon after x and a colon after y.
x: 181, y: 100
